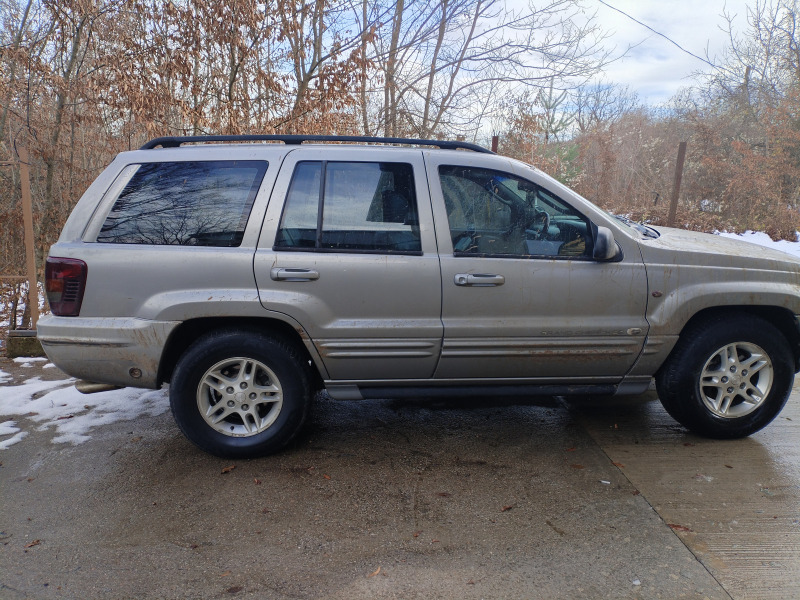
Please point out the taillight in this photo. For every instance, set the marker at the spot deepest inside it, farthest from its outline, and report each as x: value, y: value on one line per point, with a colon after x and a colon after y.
x: 64, y: 282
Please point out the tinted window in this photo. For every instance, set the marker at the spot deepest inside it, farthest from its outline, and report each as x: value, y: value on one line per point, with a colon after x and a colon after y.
x: 185, y: 203
x: 357, y: 206
x: 492, y: 213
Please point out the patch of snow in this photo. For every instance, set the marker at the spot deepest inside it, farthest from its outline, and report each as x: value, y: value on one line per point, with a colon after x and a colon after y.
x: 26, y: 362
x: 74, y: 415
x: 4, y: 376
x: 49, y: 366
x: 9, y: 428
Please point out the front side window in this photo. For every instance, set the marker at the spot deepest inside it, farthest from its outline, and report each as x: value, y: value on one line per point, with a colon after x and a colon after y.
x: 350, y: 206
x: 492, y: 213
x: 202, y: 203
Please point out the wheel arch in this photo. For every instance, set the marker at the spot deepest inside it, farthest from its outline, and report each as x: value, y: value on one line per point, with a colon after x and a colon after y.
x: 189, y: 331
x: 781, y: 318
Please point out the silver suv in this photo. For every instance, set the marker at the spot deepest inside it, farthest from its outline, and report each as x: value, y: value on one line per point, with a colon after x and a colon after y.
x: 250, y: 275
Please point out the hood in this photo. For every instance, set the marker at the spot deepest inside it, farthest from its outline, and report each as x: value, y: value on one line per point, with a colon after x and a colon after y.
x: 681, y: 247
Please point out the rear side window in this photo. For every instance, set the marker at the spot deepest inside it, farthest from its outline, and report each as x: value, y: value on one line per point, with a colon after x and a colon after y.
x: 351, y: 206
x: 203, y: 203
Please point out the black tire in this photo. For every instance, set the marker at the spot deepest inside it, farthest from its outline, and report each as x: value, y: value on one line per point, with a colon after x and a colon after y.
x: 708, y: 371
x: 259, y: 405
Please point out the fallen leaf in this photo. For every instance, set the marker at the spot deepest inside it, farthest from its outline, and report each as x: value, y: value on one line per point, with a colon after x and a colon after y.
x: 137, y: 439
x: 730, y: 467
x: 227, y: 470
x: 434, y: 541
x: 225, y: 574
x: 507, y: 508
x: 617, y: 464
x: 375, y: 572
x: 256, y: 481
x: 577, y: 466
x: 636, y: 492
x: 677, y: 527
x: 33, y: 543
x: 572, y: 449
x: 235, y: 589
x: 416, y: 534
x: 688, y: 444
x: 64, y: 418
x: 443, y: 494
x: 326, y: 476
x: 470, y: 582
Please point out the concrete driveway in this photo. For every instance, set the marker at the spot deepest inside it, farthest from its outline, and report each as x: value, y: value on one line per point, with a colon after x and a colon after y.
x: 389, y: 499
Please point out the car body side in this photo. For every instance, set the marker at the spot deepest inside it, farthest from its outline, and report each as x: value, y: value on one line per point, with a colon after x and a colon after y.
x: 144, y: 305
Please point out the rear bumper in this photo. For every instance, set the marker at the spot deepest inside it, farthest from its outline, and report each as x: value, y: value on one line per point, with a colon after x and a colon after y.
x: 106, y: 350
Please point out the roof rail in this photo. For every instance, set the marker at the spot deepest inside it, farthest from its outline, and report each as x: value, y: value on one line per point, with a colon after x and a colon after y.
x: 175, y: 142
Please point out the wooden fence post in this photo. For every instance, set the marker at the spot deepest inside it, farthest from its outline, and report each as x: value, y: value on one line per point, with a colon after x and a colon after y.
x: 30, y: 252
x: 676, y: 186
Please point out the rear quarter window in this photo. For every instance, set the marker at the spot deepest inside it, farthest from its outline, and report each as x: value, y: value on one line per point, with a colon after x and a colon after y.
x: 201, y: 203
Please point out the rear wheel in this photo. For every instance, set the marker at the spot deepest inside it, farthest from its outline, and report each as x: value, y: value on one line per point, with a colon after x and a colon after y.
x: 728, y: 376
x: 240, y: 395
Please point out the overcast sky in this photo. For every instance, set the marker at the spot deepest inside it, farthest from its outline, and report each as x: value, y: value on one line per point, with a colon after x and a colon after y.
x: 654, y: 67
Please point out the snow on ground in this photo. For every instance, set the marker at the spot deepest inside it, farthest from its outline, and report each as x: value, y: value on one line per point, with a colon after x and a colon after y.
x: 73, y: 416
x: 27, y: 361
x: 9, y: 428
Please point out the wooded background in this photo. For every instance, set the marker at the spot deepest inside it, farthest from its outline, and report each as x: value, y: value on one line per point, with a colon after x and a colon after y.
x: 82, y: 80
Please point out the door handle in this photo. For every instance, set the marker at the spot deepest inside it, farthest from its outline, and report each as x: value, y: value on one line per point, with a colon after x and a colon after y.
x: 290, y: 274
x: 479, y: 279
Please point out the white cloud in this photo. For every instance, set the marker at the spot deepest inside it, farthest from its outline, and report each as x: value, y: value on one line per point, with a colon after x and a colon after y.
x: 654, y: 67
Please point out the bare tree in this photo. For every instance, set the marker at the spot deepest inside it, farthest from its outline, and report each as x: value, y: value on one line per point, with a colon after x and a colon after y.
x: 444, y: 66
x: 601, y: 105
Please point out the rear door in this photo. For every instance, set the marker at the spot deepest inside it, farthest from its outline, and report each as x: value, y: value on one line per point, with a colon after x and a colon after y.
x: 522, y: 297
x: 348, y: 251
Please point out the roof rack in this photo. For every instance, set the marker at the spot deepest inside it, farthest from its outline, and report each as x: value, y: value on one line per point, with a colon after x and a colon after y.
x: 175, y: 142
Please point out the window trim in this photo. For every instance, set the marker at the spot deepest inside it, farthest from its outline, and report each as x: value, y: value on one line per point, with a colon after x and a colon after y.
x: 321, y: 212
x: 461, y: 254
x: 129, y: 171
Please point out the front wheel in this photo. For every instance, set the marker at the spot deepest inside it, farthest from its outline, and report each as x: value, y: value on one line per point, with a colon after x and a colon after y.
x: 728, y: 376
x: 237, y: 394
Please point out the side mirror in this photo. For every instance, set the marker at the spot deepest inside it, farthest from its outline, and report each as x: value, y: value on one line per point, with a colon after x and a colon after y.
x: 605, y: 248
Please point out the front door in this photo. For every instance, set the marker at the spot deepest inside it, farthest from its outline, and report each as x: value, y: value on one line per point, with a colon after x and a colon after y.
x: 522, y: 296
